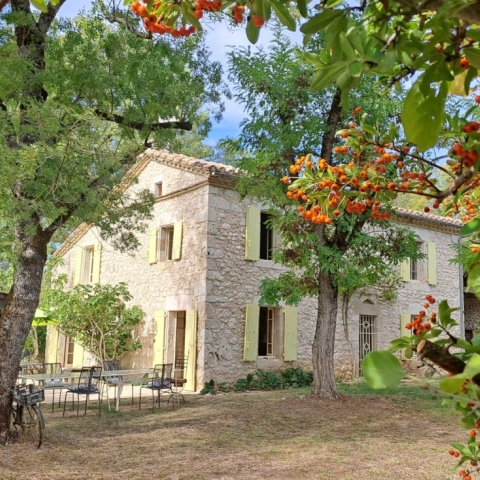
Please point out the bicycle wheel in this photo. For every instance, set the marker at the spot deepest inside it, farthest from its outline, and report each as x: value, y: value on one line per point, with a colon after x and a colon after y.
x: 33, y: 424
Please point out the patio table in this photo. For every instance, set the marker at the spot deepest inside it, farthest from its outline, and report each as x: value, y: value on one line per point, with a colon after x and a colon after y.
x: 120, y: 374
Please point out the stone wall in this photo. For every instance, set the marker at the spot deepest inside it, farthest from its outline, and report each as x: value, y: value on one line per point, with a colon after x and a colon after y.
x: 232, y: 283
x: 410, y: 300
x: 171, y: 285
x: 472, y: 312
x: 214, y: 278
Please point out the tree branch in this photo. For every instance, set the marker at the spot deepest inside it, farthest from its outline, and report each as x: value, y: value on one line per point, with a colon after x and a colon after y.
x: 152, y: 127
x: 124, y: 21
x: 443, y: 358
x: 333, y: 120
x: 469, y: 13
x: 46, y: 18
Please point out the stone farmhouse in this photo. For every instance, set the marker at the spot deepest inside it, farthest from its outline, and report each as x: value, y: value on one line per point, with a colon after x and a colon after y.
x: 197, y: 273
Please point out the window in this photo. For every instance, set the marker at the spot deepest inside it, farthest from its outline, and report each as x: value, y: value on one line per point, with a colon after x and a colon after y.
x: 158, y: 189
x: 423, y: 269
x: 268, y: 237
x: 367, y: 337
x: 270, y: 333
x: 260, y: 239
x: 166, y: 243
x: 417, y: 266
x: 87, y: 268
x: 266, y: 332
x: 69, y: 347
x: 87, y: 264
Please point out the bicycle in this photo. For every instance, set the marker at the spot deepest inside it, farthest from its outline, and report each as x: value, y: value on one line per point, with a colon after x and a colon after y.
x: 26, y: 414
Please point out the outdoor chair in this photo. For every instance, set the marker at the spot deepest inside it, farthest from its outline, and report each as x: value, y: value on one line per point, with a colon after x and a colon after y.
x: 159, y: 382
x: 56, y: 382
x: 109, y: 382
x: 88, y: 384
x: 178, y: 379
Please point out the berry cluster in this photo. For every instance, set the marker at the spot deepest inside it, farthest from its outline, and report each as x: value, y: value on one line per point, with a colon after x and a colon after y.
x: 423, y: 322
x: 159, y: 25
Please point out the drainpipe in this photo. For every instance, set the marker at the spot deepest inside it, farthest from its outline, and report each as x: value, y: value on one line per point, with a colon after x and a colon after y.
x: 462, y: 294
x: 462, y: 291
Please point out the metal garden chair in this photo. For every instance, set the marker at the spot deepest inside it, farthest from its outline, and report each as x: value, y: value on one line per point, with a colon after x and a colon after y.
x: 56, y: 382
x: 161, y: 381
x: 88, y: 384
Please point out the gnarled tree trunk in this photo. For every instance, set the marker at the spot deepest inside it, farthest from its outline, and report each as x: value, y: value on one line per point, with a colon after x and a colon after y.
x: 324, y: 343
x: 18, y: 315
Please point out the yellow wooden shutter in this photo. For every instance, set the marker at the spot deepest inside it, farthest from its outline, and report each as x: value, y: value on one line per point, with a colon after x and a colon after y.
x: 78, y: 351
x: 404, y: 319
x: 405, y: 270
x: 152, y: 245
x: 191, y: 349
x: 52, y: 345
x: 159, y: 342
x: 250, y: 347
x: 177, y: 241
x: 290, y: 335
x: 78, y: 265
x: 432, y: 263
x: 252, y: 234
x: 97, y: 259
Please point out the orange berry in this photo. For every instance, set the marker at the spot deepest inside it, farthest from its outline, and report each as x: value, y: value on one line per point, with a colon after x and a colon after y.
x: 477, y: 98
x: 473, y: 433
x: 356, y: 110
x: 285, y: 180
x: 464, y: 63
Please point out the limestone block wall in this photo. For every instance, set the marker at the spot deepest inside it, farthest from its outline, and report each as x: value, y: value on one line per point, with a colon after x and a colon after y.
x: 472, y: 312
x: 171, y: 285
x: 232, y: 283
x: 410, y: 300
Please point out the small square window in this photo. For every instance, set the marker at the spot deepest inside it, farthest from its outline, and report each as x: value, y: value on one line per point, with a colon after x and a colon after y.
x: 166, y: 243
x: 158, y: 189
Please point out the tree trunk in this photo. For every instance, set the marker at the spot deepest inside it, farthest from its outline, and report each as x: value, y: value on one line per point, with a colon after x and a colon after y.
x: 323, y: 345
x: 19, y: 312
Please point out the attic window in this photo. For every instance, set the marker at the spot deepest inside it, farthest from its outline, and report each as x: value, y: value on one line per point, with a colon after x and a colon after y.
x: 158, y: 189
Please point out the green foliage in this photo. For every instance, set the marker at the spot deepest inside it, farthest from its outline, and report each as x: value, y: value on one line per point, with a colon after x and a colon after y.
x: 209, y: 388
x: 224, y: 387
x: 97, y: 317
x: 294, y: 377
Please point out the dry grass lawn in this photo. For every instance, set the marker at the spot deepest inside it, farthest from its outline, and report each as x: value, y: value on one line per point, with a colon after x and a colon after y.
x: 257, y: 435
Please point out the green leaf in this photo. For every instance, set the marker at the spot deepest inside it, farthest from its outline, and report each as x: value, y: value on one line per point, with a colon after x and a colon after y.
x: 473, y: 367
x: 326, y: 76
x: 284, y: 15
x: 473, y: 56
x: 470, y: 227
x: 346, y: 46
x: 41, y: 5
x: 474, y: 279
x: 302, y: 8
x: 355, y: 69
x: 451, y: 384
x: 369, y: 129
x: 445, y: 312
x: 252, y: 32
x: 382, y: 369
x: 423, y: 116
x: 320, y: 21
x: 408, y: 353
x: 387, y: 63
x: 333, y: 3
x: 313, y: 59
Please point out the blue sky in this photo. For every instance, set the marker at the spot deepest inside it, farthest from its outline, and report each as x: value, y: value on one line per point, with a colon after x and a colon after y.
x: 219, y: 40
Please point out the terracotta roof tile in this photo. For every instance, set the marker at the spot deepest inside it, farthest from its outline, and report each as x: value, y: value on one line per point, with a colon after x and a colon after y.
x: 184, y: 161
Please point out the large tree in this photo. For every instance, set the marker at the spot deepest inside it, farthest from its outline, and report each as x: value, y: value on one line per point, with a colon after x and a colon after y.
x: 286, y: 121
x: 79, y: 100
